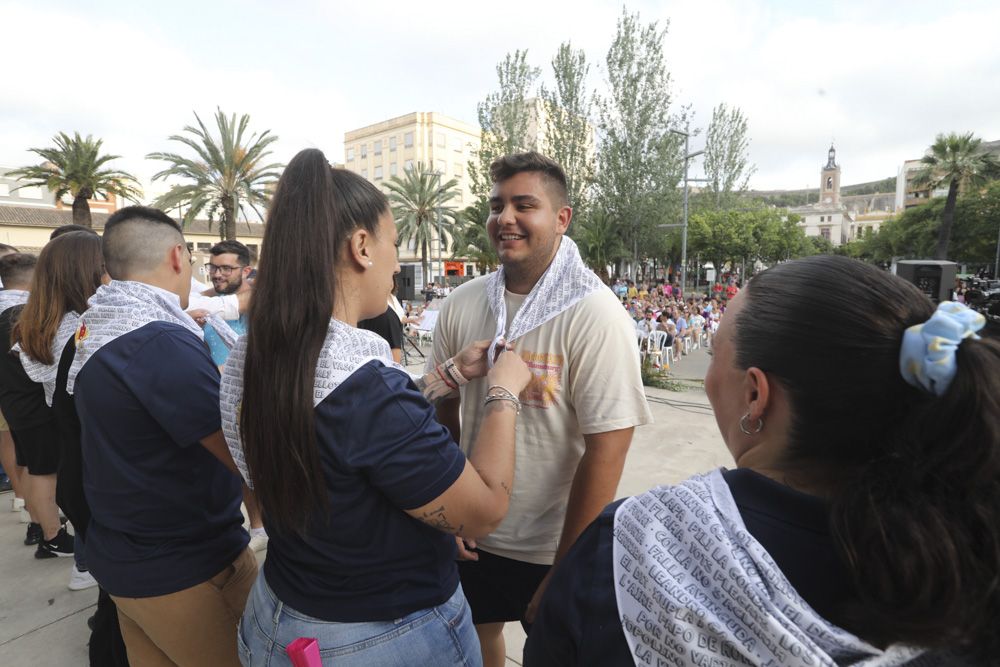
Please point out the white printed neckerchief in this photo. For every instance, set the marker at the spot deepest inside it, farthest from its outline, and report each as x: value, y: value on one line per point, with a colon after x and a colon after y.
x: 12, y: 297
x: 118, y: 308
x: 227, y: 334
x: 344, y: 351
x: 45, y: 374
x: 690, y: 578
x: 564, y: 283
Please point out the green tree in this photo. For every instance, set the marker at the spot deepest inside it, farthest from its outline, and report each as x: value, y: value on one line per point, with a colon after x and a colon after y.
x: 472, y: 241
x: 419, y: 202
x: 600, y: 242
x: 727, y: 155
x: 224, y: 173
x: 568, y: 135
x: 959, y: 161
x: 75, y: 167
x: 504, y: 118
x: 638, y: 158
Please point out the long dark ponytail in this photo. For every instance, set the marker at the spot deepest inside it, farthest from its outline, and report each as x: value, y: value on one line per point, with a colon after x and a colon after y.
x: 314, y: 210
x: 914, y: 479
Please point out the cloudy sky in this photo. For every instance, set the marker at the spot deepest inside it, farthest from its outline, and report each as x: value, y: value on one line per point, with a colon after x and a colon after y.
x: 878, y: 78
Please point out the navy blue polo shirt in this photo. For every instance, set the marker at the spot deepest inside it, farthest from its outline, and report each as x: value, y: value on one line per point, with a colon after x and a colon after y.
x: 382, y: 452
x: 165, y: 512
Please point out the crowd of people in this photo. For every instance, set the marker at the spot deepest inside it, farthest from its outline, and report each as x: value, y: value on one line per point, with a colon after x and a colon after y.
x: 408, y: 518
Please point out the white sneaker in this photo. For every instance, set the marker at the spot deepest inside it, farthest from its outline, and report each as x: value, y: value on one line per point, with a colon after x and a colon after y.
x: 80, y: 580
x: 258, y: 542
x: 16, y: 504
x: 25, y: 517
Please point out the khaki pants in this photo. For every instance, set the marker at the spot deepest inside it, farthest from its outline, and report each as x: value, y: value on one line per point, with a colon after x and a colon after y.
x: 191, y: 628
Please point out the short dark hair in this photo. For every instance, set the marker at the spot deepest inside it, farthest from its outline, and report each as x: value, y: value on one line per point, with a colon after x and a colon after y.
x: 16, y: 268
x: 66, y: 229
x: 133, y: 237
x: 507, y: 166
x: 232, y: 247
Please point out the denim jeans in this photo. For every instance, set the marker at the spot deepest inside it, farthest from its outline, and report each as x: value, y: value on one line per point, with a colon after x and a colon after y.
x: 442, y: 635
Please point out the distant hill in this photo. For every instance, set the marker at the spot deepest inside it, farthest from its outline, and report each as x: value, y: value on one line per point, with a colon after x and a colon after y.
x: 784, y: 198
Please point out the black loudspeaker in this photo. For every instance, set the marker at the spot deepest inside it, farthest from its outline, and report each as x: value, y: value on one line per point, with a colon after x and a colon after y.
x: 406, y: 283
x: 935, y: 278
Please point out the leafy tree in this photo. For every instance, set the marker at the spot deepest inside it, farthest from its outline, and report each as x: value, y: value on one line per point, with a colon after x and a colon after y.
x: 419, y: 202
x: 472, y: 240
x: 76, y: 167
x: 505, y: 118
x: 727, y: 155
x: 600, y: 242
x: 960, y: 161
x: 638, y: 159
x: 224, y: 172
x: 568, y: 136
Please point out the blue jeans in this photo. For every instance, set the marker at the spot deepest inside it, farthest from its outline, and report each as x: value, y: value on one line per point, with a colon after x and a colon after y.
x: 442, y: 635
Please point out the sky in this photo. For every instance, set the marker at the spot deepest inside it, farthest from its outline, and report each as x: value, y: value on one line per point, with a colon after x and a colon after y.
x: 878, y: 79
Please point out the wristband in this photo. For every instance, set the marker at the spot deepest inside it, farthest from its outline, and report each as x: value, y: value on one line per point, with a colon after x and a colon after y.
x: 441, y: 374
x: 452, y: 368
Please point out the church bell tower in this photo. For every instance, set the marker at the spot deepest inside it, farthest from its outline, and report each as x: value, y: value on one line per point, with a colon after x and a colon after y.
x: 829, y: 188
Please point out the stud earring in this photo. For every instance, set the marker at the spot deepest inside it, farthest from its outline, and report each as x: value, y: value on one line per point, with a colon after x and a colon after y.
x: 371, y: 263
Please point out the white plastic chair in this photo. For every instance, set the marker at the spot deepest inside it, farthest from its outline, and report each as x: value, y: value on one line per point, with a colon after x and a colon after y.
x: 656, y: 346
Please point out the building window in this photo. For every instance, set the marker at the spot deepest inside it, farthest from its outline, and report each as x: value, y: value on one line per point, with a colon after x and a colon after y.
x: 392, y: 143
x: 408, y: 139
x: 456, y: 143
x: 825, y: 233
x: 33, y: 192
x: 350, y: 154
x: 829, y: 182
x: 441, y: 140
x: 440, y: 166
x: 408, y: 165
x: 4, y: 190
x: 378, y: 173
x: 458, y: 170
x: 364, y: 150
x: 364, y: 173
x: 203, y: 247
x: 392, y: 169
x: 378, y: 147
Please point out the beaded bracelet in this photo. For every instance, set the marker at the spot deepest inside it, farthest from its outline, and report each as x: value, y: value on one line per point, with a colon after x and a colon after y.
x: 499, y: 393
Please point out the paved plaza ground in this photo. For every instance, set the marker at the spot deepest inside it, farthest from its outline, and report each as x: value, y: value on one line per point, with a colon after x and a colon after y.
x: 44, y: 624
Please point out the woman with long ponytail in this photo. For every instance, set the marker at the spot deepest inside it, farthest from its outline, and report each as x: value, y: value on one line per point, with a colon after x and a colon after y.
x: 362, y: 491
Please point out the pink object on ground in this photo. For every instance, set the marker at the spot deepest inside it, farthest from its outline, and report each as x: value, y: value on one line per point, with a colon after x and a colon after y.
x: 304, y: 652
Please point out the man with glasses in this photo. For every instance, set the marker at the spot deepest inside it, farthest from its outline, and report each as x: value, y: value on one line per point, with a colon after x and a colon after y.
x: 228, y: 270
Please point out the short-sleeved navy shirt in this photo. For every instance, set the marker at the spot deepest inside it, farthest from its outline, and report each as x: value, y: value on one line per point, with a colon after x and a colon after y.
x: 382, y: 452
x: 578, y: 624
x: 165, y: 512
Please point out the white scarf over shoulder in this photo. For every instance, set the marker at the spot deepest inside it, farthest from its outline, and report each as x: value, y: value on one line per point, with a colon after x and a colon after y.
x: 119, y: 308
x: 344, y: 351
x: 45, y: 374
x: 12, y: 297
x: 564, y: 283
x: 695, y: 588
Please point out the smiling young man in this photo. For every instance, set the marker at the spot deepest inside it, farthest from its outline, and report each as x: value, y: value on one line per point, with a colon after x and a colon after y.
x: 580, y: 409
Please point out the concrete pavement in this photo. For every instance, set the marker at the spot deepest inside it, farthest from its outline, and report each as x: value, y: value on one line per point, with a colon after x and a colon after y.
x: 44, y: 624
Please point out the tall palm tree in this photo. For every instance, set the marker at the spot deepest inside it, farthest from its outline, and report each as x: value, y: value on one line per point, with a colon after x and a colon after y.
x: 75, y: 167
x: 419, y: 203
x: 600, y: 242
x: 471, y: 239
x: 960, y: 161
x: 225, y: 172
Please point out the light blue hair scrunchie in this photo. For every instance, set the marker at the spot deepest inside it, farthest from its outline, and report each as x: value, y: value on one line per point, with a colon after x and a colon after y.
x: 927, y: 357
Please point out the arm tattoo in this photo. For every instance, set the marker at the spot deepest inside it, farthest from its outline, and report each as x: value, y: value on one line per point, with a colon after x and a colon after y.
x: 433, y: 387
x: 437, y: 519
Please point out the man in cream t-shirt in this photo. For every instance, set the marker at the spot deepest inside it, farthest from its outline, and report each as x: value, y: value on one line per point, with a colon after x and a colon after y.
x: 580, y: 409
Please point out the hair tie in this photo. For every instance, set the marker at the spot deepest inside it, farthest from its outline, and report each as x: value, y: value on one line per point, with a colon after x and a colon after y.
x: 927, y: 356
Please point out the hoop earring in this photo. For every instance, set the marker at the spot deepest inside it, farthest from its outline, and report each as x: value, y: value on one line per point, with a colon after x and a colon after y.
x: 745, y: 425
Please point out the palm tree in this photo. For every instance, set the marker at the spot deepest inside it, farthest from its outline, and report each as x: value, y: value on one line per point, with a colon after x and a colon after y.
x: 960, y: 161
x: 224, y: 172
x: 600, y: 242
x: 471, y: 239
x: 75, y: 167
x: 419, y: 203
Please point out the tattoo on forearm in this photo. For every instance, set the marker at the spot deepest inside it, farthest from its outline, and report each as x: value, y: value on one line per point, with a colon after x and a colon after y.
x: 439, y: 520
x: 433, y: 387
x: 506, y: 488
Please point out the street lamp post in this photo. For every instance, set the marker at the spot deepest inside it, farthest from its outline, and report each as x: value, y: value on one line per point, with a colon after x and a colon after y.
x: 684, y: 230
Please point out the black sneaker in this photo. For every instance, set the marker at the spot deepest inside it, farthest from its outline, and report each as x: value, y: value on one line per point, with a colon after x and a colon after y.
x: 60, y: 546
x: 34, y: 534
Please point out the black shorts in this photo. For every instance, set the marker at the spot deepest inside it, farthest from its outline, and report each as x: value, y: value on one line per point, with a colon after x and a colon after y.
x: 37, y: 448
x: 499, y: 589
